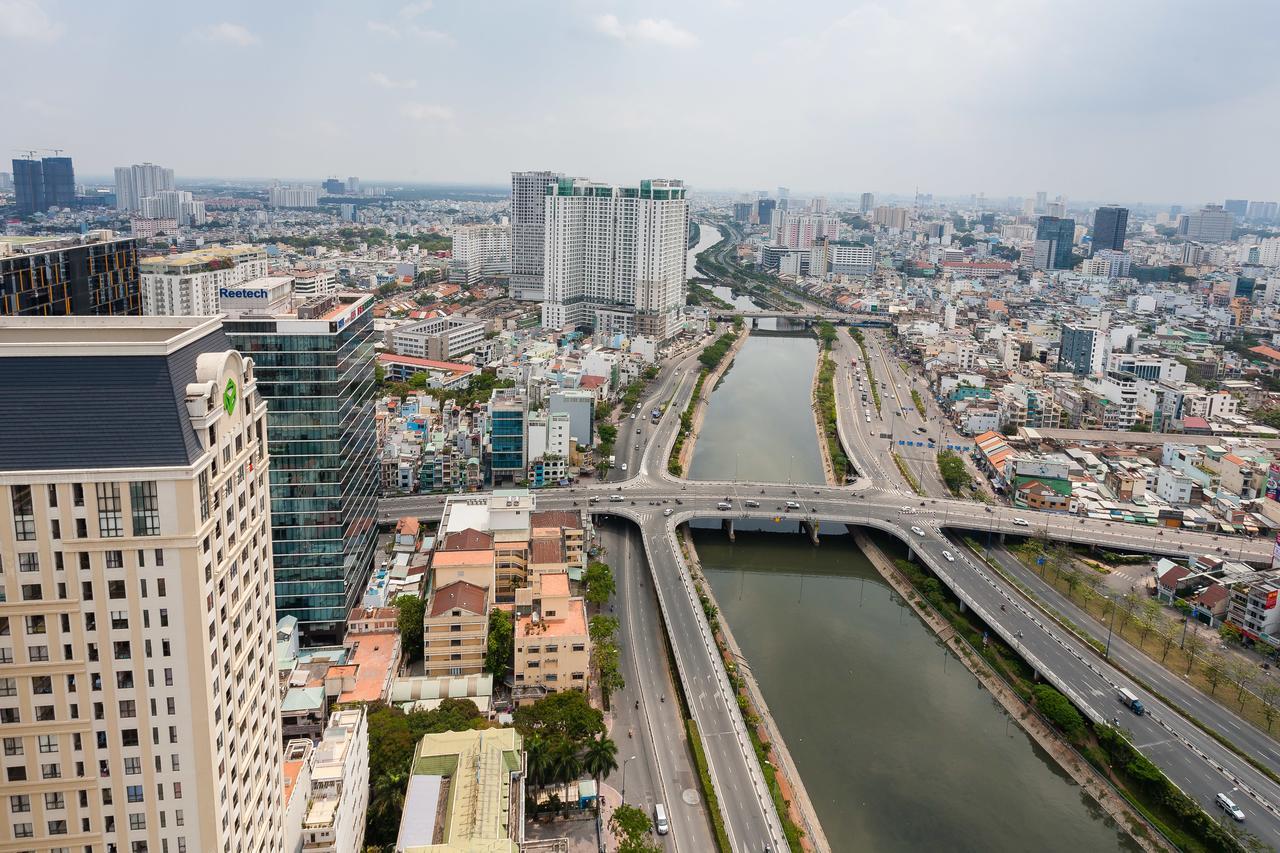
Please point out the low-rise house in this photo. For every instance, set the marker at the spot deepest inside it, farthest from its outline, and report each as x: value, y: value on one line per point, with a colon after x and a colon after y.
x: 455, y: 630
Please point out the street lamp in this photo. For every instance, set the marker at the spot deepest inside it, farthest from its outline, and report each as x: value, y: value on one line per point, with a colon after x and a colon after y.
x: 1106, y: 654
x: 625, y: 761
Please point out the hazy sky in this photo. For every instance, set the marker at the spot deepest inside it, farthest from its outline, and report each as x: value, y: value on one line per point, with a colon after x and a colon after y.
x: 1117, y: 99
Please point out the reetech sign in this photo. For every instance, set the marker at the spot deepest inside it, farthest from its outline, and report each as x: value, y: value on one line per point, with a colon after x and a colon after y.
x: 238, y: 293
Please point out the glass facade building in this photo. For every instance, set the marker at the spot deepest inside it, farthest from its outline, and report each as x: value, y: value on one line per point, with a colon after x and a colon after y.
x: 508, y: 412
x: 64, y: 276
x: 1054, y: 238
x: 1109, y: 225
x: 315, y: 368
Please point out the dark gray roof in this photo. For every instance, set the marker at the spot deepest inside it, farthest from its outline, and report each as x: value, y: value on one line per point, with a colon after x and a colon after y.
x: 99, y: 411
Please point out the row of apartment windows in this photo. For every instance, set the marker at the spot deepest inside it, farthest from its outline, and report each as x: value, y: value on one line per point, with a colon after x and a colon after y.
x: 143, y: 500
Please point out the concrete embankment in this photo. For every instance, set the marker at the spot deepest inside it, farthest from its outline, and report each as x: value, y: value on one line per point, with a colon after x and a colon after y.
x: 700, y: 405
x: 1067, y: 758
x: 800, y: 807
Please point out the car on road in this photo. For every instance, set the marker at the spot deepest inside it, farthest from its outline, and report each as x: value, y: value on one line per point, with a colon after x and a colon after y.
x: 633, y: 416
x: 617, y: 499
x: 724, y: 505
x: 667, y: 512
x: 950, y: 558
x: 1021, y: 522
x: 594, y: 499
x: 637, y: 447
x: 1228, y: 805
x: 906, y: 508
x: 637, y: 430
x: 660, y: 819
x: 792, y: 505
x: 921, y: 430
x: 916, y: 530
x: 753, y: 504
x: 624, y: 466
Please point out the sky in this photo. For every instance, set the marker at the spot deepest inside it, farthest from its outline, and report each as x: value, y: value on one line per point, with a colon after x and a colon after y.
x: 1120, y: 100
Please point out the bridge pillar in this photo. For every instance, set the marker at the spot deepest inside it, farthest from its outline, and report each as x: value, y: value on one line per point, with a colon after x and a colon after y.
x: 727, y: 526
x: 811, y: 528
x: 964, y: 608
x: 911, y: 554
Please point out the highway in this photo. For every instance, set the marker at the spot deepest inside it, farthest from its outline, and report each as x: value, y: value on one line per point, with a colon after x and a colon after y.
x: 646, y: 492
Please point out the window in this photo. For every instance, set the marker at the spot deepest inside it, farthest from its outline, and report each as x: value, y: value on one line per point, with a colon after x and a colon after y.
x: 8, y: 687
x: 28, y: 562
x: 37, y: 654
x: 42, y: 685
x: 16, y: 774
x: 55, y: 800
x: 57, y: 827
x: 119, y: 619
x: 13, y: 746
x: 137, y: 820
x: 77, y: 494
x: 128, y: 708
x: 132, y: 766
x: 23, y: 830
x: 48, y: 743
x: 204, y: 496
x: 124, y: 680
x: 146, y: 508
x: 160, y: 559
x: 44, y: 713
x: 50, y: 771
x: 53, y: 495
x: 115, y: 559
x: 164, y: 617
x: 19, y: 803
x: 24, y: 519
x: 115, y: 589
x: 110, y: 523
x: 129, y: 737
x: 35, y: 624
x: 120, y: 650
x: 133, y: 793
x: 32, y: 592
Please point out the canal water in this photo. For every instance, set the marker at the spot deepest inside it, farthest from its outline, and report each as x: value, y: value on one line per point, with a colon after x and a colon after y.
x: 759, y: 425
x: 708, y: 235
x: 898, y: 745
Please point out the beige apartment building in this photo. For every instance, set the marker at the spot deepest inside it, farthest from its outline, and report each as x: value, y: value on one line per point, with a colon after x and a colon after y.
x: 552, y: 647
x: 138, y: 704
x: 455, y: 630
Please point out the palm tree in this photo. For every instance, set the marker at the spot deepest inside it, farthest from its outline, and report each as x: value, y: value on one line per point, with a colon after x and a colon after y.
x: 386, y: 800
x: 538, y: 761
x: 600, y: 758
x: 565, y: 765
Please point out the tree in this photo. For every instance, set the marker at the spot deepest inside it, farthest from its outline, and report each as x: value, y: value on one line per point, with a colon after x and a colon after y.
x: 1059, y: 710
x: 1128, y: 604
x: 1147, y: 620
x: 608, y: 433
x: 1073, y: 580
x: 1168, y: 633
x: 599, y: 581
x: 602, y: 629
x: 950, y: 465
x: 1193, y: 645
x: 632, y: 827
x: 409, y: 621
x: 565, y: 764
x: 607, y: 660
x: 566, y: 714
x: 1215, y: 670
x: 501, y: 644
x: 600, y: 758
x: 1241, y: 672
x: 1269, y: 692
x: 826, y: 334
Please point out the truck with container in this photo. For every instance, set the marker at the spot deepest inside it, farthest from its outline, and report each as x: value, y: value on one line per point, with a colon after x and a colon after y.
x: 1131, y: 701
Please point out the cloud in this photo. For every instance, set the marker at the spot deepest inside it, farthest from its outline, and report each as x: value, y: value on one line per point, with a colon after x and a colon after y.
x: 658, y: 30
x: 426, y: 112
x: 413, y: 10
x: 25, y: 20
x: 228, y: 33
x: 387, y: 82
x: 424, y: 33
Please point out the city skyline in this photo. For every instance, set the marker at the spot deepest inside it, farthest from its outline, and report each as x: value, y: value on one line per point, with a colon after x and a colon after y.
x: 1106, y: 119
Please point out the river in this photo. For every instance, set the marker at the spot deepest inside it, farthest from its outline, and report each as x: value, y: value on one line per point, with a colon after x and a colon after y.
x: 708, y: 235
x: 897, y: 743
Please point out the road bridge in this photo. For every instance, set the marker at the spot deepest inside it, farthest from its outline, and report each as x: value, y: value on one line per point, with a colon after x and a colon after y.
x: 1195, y: 761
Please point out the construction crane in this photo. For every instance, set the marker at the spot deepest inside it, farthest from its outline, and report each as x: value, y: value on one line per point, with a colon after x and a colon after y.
x: 30, y: 152
x: 57, y: 152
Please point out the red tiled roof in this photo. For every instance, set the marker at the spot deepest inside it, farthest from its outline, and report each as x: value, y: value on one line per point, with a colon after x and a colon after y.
x: 1266, y: 352
x: 467, y: 540
x: 458, y: 595
x: 589, y: 381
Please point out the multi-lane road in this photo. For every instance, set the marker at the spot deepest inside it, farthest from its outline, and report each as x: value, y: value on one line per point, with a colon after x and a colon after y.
x: 657, y: 502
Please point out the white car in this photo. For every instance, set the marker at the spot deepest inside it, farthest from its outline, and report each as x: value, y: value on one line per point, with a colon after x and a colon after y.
x: 1228, y: 805
x: 624, y: 466
x: 917, y: 531
x: 948, y: 556
x: 1021, y: 522
x: 667, y: 511
x: 633, y: 416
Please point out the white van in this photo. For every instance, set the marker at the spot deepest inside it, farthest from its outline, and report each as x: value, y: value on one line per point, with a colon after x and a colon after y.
x: 1227, y: 805
x: 950, y: 558
x: 792, y: 505
x: 660, y: 819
